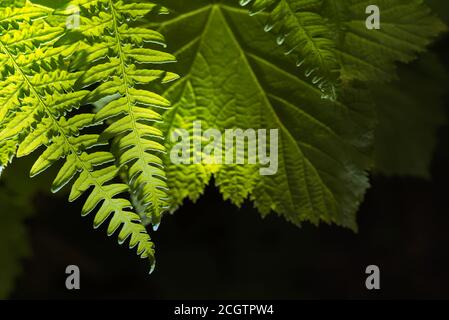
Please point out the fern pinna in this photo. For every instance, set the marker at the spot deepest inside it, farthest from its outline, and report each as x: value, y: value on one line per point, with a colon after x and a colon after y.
x: 37, y: 97
x: 116, y: 57
x: 13, y: 41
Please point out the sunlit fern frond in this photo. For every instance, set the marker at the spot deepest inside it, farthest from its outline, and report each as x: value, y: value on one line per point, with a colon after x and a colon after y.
x: 121, y: 59
x: 36, y: 98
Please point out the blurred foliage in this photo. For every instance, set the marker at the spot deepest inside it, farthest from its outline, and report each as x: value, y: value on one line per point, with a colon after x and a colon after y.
x: 10, y: 3
x: 17, y: 193
x: 410, y: 111
x: 13, y: 239
x: 441, y: 7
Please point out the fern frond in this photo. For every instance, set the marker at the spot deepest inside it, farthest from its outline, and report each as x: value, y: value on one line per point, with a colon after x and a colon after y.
x: 303, y: 32
x: 120, y: 60
x: 37, y: 97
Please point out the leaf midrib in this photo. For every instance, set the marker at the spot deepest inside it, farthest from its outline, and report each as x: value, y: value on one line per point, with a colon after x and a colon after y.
x: 149, y: 176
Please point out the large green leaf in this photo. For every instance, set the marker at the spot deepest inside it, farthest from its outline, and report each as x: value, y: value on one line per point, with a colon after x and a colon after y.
x: 235, y: 76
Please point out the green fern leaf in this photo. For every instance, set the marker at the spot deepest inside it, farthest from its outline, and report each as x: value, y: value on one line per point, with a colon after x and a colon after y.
x: 37, y: 90
x: 18, y: 35
x: 121, y: 58
x: 7, y: 152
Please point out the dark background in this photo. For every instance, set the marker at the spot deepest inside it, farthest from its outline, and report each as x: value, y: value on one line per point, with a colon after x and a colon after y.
x: 212, y: 249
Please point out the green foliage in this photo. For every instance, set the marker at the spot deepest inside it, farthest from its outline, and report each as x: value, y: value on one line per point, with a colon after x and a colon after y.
x: 52, y: 3
x: 407, y: 27
x: 308, y: 68
x: 409, y: 112
x: 37, y: 98
x: 18, y: 38
x: 235, y: 77
x: 12, y: 3
x: 323, y: 31
x: 119, y: 59
x: 441, y: 8
x: 303, y: 31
